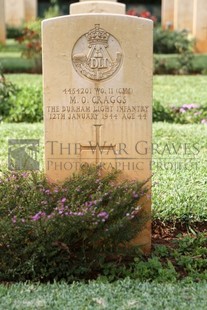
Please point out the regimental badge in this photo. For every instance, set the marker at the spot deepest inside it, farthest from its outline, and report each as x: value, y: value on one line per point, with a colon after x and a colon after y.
x: 97, y: 55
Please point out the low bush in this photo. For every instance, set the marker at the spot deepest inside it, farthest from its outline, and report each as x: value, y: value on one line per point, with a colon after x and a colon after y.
x: 26, y: 106
x: 161, y: 113
x: 69, y: 231
x: 13, y: 32
x: 30, y: 39
x: 7, y: 91
x: 20, y: 104
x: 171, y: 42
x: 180, y: 64
x: 186, y: 114
x: 80, y: 230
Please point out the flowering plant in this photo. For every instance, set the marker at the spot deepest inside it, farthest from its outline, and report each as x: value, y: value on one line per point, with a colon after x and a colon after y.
x: 188, y: 113
x: 144, y: 14
x: 55, y: 231
x: 31, y: 42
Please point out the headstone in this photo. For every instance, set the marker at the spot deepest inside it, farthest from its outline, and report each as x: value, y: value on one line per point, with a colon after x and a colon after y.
x: 108, y: 6
x: 200, y: 25
x: 183, y: 15
x: 30, y: 10
x: 15, y: 12
x: 167, y: 14
x: 2, y: 23
x: 98, y: 96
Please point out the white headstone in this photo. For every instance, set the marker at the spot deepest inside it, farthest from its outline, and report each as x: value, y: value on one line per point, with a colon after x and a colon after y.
x: 183, y: 15
x: 98, y: 95
x: 200, y: 25
x: 167, y: 14
x: 2, y: 23
x: 30, y: 10
x: 15, y: 12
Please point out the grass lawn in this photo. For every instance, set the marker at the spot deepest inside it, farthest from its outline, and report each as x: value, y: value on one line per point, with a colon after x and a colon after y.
x: 11, y: 60
x: 25, y: 79
x: 178, y: 90
x: 122, y: 295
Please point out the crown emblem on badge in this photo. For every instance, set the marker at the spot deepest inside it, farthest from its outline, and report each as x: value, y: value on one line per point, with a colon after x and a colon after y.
x: 97, y: 35
x: 97, y: 55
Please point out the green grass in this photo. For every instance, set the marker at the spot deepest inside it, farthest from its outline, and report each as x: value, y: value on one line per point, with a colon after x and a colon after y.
x: 11, y: 60
x: 11, y: 46
x: 123, y: 295
x: 178, y: 90
x: 180, y: 189
x: 25, y: 79
x: 15, y: 64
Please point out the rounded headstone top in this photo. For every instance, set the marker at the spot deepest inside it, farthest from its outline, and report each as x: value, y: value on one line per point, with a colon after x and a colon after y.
x: 98, y: 0
x: 97, y: 6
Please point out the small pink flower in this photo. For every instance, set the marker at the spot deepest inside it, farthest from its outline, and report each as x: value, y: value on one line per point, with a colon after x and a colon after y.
x: 14, y: 219
x: 38, y: 215
x: 182, y: 110
x: 103, y: 215
x: 204, y: 121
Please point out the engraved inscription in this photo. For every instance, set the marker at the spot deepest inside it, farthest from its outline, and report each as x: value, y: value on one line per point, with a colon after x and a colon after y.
x: 98, y: 104
x: 97, y: 55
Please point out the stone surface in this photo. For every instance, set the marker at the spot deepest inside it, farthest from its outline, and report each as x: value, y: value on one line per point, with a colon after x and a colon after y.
x: 200, y: 25
x: 98, y: 95
x: 30, y: 10
x: 97, y: 7
x: 183, y: 15
x: 15, y: 12
x: 2, y: 23
x: 167, y: 14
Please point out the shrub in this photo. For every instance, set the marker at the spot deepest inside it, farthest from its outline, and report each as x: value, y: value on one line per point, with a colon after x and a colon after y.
x: 185, y: 63
x: 171, y: 42
x: 26, y: 106
x: 160, y: 113
x: 20, y: 105
x: 189, y: 113
x: 70, y: 230
x: 31, y: 42
x: 53, y: 10
x: 7, y: 91
x: 13, y: 32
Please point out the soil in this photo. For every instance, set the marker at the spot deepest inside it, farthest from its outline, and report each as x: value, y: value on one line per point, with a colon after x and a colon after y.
x: 164, y: 233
